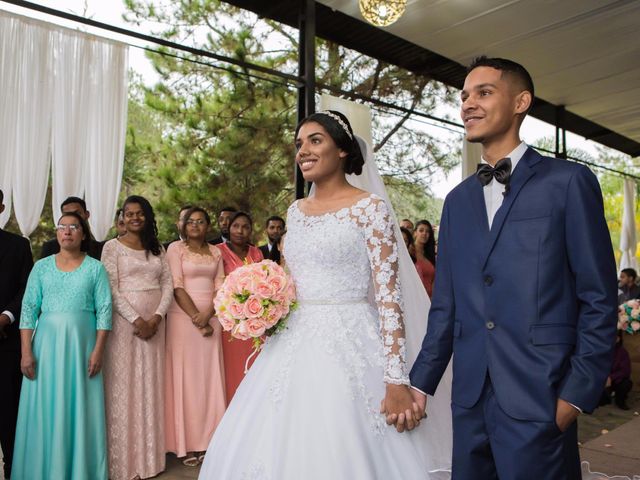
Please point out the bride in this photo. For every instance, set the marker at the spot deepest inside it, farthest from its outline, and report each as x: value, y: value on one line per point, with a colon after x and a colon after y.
x: 309, y: 408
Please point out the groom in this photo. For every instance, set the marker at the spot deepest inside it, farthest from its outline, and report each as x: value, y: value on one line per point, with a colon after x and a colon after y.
x: 524, y: 298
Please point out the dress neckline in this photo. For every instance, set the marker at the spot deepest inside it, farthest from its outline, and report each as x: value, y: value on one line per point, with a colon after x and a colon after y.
x: 55, y: 264
x: 368, y: 196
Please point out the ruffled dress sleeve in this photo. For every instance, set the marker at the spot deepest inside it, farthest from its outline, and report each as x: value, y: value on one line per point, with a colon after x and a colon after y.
x: 32, y: 299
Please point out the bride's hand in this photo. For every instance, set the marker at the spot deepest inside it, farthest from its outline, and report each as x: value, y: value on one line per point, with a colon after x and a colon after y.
x: 400, y: 408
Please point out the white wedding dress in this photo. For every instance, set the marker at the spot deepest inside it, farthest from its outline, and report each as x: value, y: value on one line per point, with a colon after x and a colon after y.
x: 309, y: 406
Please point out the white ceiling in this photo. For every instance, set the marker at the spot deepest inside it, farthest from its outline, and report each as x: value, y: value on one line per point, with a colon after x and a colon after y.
x: 584, y: 54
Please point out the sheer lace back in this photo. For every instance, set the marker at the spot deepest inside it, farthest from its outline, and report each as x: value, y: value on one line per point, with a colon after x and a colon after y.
x: 339, y: 257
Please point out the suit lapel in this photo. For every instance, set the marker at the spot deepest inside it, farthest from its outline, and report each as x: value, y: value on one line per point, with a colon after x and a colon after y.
x: 520, y: 177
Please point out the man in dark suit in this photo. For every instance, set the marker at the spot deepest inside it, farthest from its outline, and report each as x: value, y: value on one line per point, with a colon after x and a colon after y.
x: 15, y: 265
x: 79, y: 206
x: 179, y: 225
x: 275, y: 229
x: 524, y: 297
x: 224, y: 220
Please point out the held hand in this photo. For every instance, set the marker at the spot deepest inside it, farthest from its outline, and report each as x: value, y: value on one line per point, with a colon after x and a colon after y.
x: 95, y: 363
x: 566, y: 414
x: 608, y: 384
x: 419, y: 401
x: 200, y: 319
x: 142, y: 329
x: 206, y: 331
x: 28, y: 365
x: 400, y: 408
x: 155, y: 323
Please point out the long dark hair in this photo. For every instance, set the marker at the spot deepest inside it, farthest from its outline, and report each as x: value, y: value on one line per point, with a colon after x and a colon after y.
x: 407, y: 232
x: 342, y: 135
x: 429, y: 251
x: 149, y: 235
x: 86, y: 241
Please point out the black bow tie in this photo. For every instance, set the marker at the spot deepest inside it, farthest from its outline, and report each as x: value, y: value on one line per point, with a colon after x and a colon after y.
x: 501, y: 172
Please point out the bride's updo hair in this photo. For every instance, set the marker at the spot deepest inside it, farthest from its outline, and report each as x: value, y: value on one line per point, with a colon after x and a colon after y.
x: 339, y: 128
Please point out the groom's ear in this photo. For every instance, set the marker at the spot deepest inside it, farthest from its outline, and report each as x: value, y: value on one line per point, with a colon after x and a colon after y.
x: 523, y: 102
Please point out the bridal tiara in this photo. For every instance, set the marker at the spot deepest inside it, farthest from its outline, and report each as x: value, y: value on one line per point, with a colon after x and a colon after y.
x: 340, y: 121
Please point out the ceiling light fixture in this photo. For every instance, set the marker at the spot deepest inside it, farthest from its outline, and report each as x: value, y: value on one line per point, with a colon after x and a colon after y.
x: 382, y: 13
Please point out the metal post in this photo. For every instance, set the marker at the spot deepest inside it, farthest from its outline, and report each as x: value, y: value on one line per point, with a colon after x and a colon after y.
x: 306, y: 70
x: 560, y: 121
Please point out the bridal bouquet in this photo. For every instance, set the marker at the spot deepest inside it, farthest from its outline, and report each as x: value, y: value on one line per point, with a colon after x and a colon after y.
x: 255, y: 300
x: 629, y: 316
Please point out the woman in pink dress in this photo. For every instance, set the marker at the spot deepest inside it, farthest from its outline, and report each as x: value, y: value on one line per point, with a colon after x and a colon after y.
x: 425, y: 251
x: 195, y: 399
x: 142, y: 291
x: 235, y: 253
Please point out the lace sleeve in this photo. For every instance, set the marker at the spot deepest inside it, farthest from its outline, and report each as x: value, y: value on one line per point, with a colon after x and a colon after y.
x: 102, y: 299
x: 174, y: 259
x: 383, y: 258
x: 166, y: 284
x: 32, y: 299
x: 110, y: 261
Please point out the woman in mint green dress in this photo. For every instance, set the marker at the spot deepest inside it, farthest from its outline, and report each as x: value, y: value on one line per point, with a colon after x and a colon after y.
x: 66, y: 316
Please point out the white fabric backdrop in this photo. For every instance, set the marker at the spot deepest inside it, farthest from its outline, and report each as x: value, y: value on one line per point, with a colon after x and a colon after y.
x: 628, y: 242
x: 63, y: 94
x: 107, y: 130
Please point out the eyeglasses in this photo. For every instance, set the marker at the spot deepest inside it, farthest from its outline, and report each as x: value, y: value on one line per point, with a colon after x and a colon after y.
x: 196, y: 222
x: 73, y: 227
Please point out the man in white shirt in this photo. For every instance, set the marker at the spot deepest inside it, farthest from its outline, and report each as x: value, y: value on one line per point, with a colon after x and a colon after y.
x: 525, y: 296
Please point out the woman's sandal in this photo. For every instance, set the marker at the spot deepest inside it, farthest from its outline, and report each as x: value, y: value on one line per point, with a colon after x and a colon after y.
x: 191, y: 461
x: 201, y: 457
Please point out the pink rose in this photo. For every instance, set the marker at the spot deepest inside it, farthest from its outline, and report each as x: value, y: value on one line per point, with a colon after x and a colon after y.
x: 278, y: 283
x: 244, y: 283
x: 274, y: 314
x: 255, y: 327
x: 635, y: 326
x: 635, y: 312
x: 622, y: 324
x: 226, y: 322
x: 236, y: 310
x: 241, y: 331
x: 265, y: 289
x: 253, y: 307
x: 634, y: 304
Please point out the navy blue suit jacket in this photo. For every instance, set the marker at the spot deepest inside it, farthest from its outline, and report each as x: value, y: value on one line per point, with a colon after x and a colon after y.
x: 531, y: 301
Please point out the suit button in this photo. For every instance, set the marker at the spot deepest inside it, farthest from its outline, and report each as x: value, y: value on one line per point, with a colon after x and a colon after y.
x: 490, y: 325
x: 488, y: 280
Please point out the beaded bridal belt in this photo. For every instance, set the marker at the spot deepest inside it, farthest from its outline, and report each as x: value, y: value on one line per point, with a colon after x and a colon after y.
x: 354, y: 301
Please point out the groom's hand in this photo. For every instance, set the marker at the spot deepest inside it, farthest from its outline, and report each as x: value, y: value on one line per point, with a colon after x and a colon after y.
x: 400, y: 409
x: 566, y: 414
x: 419, y: 401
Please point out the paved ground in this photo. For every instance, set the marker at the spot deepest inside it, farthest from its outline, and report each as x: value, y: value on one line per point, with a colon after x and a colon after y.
x: 610, y: 438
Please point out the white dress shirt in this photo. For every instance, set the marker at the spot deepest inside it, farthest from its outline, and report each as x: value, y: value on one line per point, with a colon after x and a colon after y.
x: 493, y: 190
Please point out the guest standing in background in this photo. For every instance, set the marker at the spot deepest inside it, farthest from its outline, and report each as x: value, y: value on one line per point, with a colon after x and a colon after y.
x: 79, y: 206
x: 628, y: 289
x: 275, y: 229
x: 179, y: 225
x: 425, y: 250
x: 406, y: 223
x: 67, y: 304
x: 235, y: 253
x: 15, y: 265
x: 619, y: 380
x: 121, y: 230
x: 134, y: 359
x: 224, y: 220
x: 195, y: 397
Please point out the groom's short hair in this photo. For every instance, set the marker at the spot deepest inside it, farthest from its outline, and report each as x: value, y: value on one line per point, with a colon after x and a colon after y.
x: 508, y: 67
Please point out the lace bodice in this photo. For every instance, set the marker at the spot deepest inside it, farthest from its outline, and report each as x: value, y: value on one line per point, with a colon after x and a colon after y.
x: 49, y: 289
x: 133, y: 271
x: 339, y: 257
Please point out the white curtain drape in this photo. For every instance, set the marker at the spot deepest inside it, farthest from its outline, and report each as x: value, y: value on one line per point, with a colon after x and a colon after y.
x: 628, y: 241
x: 26, y: 73
x: 107, y: 127
x: 63, y: 100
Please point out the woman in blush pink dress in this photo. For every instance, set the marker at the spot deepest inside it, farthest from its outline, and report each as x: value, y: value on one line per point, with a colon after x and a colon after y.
x: 142, y: 291
x: 235, y: 253
x: 425, y: 250
x: 195, y: 399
